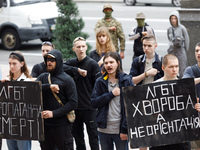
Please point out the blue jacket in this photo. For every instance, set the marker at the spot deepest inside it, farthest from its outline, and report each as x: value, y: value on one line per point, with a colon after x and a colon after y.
x: 101, y: 98
x: 138, y: 65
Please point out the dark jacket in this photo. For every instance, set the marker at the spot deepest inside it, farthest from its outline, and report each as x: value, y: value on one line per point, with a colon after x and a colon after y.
x: 84, y: 84
x: 138, y: 66
x: 67, y: 93
x: 38, y: 69
x: 94, y: 55
x: 101, y: 98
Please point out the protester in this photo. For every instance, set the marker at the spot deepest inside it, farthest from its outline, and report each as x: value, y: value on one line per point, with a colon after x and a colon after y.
x: 41, y: 67
x: 107, y: 98
x: 114, y: 27
x: 57, y: 88
x: 148, y: 67
x: 170, y: 66
x: 194, y: 72
x: 178, y: 41
x: 18, y: 72
x: 84, y: 83
x: 137, y: 33
x: 104, y: 45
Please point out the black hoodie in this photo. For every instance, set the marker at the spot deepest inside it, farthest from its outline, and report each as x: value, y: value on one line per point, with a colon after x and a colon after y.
x: 67, y: 93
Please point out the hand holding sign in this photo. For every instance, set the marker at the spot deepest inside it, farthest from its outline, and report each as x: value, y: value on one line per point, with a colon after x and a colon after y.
x: 123, y: 136
x: 47, y: 114
x: 197, y: 105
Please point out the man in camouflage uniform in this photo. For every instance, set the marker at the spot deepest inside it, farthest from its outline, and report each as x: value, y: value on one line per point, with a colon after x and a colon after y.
x: 115, y: 28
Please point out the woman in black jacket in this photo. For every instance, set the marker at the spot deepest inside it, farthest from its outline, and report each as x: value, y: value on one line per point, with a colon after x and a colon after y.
x: 104, y: 45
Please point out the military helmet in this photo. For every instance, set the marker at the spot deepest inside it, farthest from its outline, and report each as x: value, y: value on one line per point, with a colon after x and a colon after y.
x: 140, y: 15
x: 107, y: 6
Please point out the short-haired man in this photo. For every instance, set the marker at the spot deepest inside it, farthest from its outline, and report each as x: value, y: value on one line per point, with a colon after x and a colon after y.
x: 55, y: 81
x: 84, y: 82
x: 170, y: 66
x: 147, y: 68
x: 107, y: 98
x: 41, y: 67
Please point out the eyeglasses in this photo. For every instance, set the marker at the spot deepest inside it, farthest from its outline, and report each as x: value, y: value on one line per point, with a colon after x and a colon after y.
x: 78, y: 39
x: 51, y: 59
x: 47, y: 43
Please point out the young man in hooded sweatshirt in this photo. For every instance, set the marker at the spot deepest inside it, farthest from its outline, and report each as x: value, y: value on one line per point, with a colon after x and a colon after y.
x: 178, y: 41
x: 57, y: 127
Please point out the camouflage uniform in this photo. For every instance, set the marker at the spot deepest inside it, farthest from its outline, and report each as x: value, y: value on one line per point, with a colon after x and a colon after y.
x: 118, y: 34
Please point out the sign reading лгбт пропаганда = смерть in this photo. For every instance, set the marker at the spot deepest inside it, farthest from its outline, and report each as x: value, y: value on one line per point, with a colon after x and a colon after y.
x: 20, y: 111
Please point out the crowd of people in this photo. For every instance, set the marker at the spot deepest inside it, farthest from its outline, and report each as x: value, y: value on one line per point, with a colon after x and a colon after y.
x: 92, y: 85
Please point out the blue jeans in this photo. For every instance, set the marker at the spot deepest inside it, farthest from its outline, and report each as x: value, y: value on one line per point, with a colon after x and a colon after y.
x: 107, y: 142
x: 18, y: 144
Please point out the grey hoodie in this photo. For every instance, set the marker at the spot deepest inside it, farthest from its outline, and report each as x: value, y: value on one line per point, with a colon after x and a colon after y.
x: 180, y: 52
x: 179, y: 30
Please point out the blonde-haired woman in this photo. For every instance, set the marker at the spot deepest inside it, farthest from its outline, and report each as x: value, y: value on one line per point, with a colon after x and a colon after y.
x: 104, y: 45
x: 18, y: 72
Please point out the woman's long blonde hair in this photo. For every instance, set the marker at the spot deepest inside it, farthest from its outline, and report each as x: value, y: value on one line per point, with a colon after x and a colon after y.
x: 24, y: 68
x: 109, y: 44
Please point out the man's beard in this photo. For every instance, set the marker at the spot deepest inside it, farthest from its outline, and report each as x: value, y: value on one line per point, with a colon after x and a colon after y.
x: 50, y: 70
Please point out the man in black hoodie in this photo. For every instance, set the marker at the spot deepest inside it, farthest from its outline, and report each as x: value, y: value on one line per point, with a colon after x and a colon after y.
x: 57, y: 128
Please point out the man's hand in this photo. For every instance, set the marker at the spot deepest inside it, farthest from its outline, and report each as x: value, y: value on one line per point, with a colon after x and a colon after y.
x: 47, y: 114
x: 123, y: 136
x: 54, y: 88
x: 152, y: 72
x: 113, y: 28
x: 144, y: 33
x: 116, y: 91
x: 122, y: 54
x: 197, y: 105
x: 100, y: 62
x: 82, y: 72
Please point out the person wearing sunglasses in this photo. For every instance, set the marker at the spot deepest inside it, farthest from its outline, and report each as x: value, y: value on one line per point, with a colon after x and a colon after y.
x: 85, y: 114
x: 41, y: 67
x: 57, y: 86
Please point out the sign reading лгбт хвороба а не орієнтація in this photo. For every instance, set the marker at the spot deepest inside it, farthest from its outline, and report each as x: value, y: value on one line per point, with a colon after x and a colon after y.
x: 161, y: 113
x: 20, y: 111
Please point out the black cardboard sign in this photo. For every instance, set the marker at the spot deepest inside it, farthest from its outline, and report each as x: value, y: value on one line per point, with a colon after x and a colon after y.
x: 20, y: 111
x: 161, y: 113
